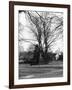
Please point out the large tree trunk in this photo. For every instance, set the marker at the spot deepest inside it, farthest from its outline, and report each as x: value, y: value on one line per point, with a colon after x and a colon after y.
x: 45, y: 43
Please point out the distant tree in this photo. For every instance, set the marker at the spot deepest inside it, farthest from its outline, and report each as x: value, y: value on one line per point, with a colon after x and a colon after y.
x: 31, y: 48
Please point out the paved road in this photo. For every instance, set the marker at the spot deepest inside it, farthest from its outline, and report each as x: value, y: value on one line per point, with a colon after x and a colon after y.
x: 40, y: 71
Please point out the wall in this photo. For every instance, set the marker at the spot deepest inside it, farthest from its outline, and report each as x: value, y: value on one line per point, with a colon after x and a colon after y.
x: 4, y: 45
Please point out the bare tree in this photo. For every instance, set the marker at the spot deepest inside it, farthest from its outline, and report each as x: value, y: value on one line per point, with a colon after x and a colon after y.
x: 46, y: 29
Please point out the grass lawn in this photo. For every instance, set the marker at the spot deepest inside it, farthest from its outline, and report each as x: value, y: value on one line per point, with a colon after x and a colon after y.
x: 53, y: 69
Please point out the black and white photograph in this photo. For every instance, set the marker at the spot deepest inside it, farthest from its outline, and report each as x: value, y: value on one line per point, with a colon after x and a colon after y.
x: 39, y: 44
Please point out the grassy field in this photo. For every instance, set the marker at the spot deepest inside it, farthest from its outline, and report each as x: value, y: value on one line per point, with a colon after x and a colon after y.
x: 53, y: 69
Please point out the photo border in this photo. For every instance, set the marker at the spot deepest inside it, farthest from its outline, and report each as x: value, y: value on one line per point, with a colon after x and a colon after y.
x: 11, y: 43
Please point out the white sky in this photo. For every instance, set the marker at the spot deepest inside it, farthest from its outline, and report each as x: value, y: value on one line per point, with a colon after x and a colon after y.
x: 27, y: 35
